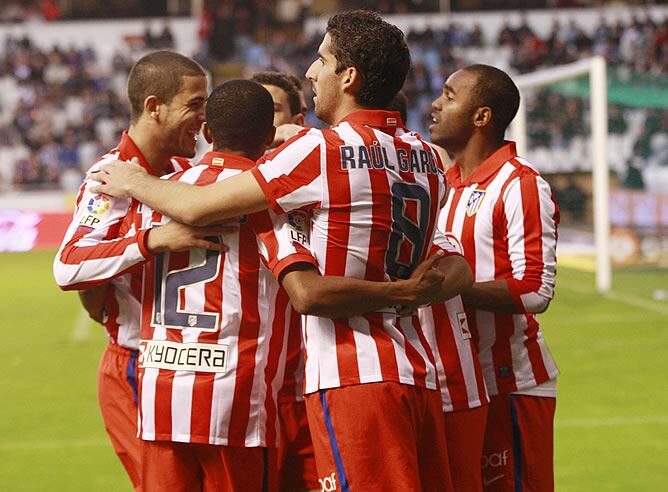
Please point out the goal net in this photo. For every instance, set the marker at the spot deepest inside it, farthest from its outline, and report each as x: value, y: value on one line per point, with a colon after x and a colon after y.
x: 604, y: 162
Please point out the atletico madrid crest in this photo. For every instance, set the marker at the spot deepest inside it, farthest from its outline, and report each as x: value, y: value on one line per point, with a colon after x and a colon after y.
x: 475, y: 200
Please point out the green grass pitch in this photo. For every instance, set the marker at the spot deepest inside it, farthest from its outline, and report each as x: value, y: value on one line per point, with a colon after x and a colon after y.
x: 612, y: 411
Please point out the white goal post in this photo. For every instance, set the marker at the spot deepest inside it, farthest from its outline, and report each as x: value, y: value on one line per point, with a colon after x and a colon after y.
x: 595, y: 67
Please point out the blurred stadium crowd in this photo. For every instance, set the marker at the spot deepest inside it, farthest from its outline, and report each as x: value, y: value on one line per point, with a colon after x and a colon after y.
x: 62, y: 107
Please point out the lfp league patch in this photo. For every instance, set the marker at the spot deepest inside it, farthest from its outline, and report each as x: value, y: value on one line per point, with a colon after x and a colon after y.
x: 98, y: 205
x: 475, y: 200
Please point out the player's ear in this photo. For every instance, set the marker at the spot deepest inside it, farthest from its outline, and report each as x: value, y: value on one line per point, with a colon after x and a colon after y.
x: 270, y: 136
x: 206, y: 131
x: 152, y: 108
x: 482, y: 116
x: 350, y: 79
x: 298, y: 119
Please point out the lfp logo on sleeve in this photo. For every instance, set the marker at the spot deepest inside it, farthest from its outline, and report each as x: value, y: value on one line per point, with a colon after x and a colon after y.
x: 97, y: 206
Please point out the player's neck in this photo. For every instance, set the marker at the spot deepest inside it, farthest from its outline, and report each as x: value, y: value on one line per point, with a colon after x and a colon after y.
x: 253, y: 156
x: 151, y: 148
x: 474, y: 153
x: 347, y: 107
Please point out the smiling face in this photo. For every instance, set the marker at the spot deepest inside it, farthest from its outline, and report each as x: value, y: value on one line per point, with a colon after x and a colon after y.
x: 327, y: 84
x: 453, y: 112
x: 182, y: 118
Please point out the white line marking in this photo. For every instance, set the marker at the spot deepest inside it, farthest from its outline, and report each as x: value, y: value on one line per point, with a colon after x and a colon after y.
x: 638, y: 302
x: 629, y: 299
x: 81, y: 328
x: 613, y: 422
x: 55, y: 444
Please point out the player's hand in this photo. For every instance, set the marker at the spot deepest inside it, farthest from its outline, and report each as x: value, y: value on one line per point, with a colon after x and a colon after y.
x: 117, y: 178
x: 93, y: 301
x: 175, y: 236
x: 424, y: 284
x: 285, y: 132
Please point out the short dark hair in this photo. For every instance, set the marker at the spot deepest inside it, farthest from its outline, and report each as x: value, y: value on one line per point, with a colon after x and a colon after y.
x: 300, y: 89
x: 400, y: 103
x: 377, y: 49
x: 240, y: 115
x: 294, y: 79
x: 283, y: 82
x: 494, y: 88
x: 159, y: 74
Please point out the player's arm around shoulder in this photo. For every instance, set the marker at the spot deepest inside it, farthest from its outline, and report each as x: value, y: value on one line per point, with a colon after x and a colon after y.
x: 291, y: 176
x: 183, y: 202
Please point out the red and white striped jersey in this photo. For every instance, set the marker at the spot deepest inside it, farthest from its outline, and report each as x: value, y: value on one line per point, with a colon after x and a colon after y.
x: 293, y: 383
x: 448, y: 333
x: 103, y: 242
x: 504, y: 219
x: 374, y: 190
x: 213, y: 337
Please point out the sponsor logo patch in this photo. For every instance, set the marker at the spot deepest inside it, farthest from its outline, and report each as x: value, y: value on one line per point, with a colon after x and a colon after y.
x: 475, y: 200
x: 464, y: 326
x: 203, y: 357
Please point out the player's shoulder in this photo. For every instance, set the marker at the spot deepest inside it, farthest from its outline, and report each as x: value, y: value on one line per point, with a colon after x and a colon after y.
x: 306, y: 138
x: 112, y: 155
x: 180, y: 163
x: 524, y: 168
x: 201, y: 174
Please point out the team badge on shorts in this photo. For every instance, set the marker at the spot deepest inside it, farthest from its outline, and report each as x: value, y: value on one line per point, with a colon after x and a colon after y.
x: 475, y: 200
x: 98, y: 205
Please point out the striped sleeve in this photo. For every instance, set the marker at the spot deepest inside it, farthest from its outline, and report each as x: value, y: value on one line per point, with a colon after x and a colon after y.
x: 292, y: 178
x: 442, y: 243
x: 93, y: 250
x: 531, y: 215
x: 283, y: 240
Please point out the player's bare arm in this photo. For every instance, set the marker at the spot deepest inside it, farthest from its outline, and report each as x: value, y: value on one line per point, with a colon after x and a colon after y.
x: 342, y: 297
x: 457, y: 277
x: 93, y: 301
x: 490, y: 296
x: 175, y: 236
x: 495, y: 295
x: 193, y: 205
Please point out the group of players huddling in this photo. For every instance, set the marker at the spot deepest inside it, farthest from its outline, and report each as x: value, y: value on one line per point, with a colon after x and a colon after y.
x: 335, y: 313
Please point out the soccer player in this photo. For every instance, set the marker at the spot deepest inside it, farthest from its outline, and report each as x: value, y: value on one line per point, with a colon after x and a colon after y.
x: 502, y: 214
x: 214, y: 323
x: 374, y: 189
x: 463, y: 391
x: 167, y: 92
x: 296, y: 462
